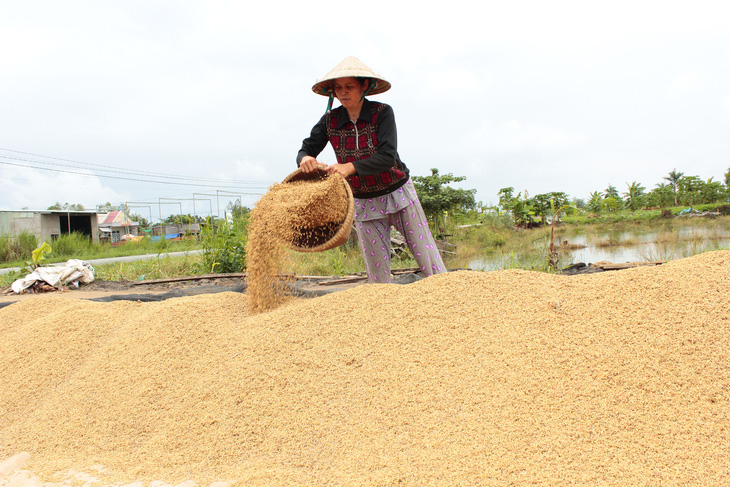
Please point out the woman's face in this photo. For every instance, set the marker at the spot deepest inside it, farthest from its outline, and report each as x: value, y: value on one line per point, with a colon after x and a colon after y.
x: 349, y: 91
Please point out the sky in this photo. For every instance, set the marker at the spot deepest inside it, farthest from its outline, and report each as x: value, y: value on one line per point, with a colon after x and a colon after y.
x: 185, y: 105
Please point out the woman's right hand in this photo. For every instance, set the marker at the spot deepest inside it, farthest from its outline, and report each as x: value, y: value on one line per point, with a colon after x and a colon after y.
x: 309, y: 164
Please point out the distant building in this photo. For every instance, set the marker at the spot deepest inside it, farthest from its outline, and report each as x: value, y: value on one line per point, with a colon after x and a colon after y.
x: 175, y: 230
x: 48, y: 225
x: 116, y: 226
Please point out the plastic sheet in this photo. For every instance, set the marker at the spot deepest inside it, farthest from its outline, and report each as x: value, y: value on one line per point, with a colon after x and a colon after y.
x: 72, y: 272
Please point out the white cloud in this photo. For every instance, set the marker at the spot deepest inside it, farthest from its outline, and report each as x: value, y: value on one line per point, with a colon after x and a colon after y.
x: 685, y: 83
x: 36, y: 190
x: 254, y: 171
x: 521, y: 93
x: 520, y: 137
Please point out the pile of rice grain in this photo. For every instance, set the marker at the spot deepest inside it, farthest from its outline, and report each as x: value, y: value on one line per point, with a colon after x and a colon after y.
x: 277, y: 220
x: 464, y: 378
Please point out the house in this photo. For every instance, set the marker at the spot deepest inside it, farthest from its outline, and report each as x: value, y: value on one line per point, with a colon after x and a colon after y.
x: 48, y: 225
x: 116, y: 226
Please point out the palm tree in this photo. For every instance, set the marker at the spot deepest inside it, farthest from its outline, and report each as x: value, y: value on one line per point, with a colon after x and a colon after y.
x: 660, y: 196
x: 594, y: 202
x: 612, y: 192
x: 634, y: 196
x: 673, y: 179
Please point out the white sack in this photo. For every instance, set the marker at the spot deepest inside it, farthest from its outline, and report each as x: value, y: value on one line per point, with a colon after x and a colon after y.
x: 73, y: 271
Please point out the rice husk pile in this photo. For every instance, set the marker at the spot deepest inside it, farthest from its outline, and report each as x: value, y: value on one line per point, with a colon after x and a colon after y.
x: 464, y: 378
x: 277, y: 221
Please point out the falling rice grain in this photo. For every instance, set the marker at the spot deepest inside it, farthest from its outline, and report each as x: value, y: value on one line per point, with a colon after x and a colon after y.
x: 277, y: 222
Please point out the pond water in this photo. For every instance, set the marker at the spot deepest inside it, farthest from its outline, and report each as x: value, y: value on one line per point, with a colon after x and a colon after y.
x: 647, y: 246
x: 618, y: 246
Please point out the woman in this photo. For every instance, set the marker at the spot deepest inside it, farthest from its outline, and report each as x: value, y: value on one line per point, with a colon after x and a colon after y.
x: 363, y: 136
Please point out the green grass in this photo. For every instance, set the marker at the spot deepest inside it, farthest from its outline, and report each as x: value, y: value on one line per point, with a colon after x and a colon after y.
x: 78, y: 246
x: 585, y: 217
x: 18, y: 248
x: 149, y: 269
x: 344, y: 260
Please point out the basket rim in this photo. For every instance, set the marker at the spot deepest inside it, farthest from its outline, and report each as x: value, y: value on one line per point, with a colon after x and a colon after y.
x: 343, y: 233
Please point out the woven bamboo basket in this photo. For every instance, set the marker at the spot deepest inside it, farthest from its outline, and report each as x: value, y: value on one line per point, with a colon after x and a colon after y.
x: 329, y: 235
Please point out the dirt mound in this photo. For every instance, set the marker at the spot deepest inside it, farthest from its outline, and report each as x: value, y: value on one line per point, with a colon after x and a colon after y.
x: 465, y: 378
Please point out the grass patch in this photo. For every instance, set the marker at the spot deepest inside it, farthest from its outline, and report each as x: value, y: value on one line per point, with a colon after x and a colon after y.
x: 346, y: 259
x: 612, y: 241
x: 16, y: 249
x: 149, y: 269
x: 499, y: 246
x: 78, y: 246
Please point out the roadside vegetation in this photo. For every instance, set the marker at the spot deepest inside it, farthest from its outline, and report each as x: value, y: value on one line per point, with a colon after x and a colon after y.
x: 17, y: 252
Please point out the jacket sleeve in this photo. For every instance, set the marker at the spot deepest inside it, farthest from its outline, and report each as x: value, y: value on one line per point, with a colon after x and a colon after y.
x: 315, y: 143
x: 386, y: 155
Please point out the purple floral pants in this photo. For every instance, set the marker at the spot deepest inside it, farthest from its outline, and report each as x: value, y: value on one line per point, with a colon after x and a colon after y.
x: 410, y: 221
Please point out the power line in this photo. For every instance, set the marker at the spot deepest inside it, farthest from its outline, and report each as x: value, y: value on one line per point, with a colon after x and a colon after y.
x: 133, y: 173
x: 123, y: 178
x: 116, y: 169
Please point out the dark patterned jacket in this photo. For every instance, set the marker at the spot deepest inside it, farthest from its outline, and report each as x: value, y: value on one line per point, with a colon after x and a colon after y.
x: 371, y: 145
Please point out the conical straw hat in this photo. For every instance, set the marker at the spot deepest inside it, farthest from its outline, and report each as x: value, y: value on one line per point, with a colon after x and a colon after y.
x: 350, y: 67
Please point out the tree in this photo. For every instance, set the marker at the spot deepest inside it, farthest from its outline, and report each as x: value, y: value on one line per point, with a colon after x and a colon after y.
x: 560, y: 204
x: 505, y: 197
x: 634, y: 197
x: 108, y: 208
x: 546, y: 204
x: 185, y: 219
x: 611, y: 204
x: 579, y: 203
x: 689, y: 190
x: 522, y: 209
x: 143, y: 222
x: 673, y: 179
x: 541, y: 206
x: 594, y: 201
x: 712, y: 192
x: 437, y: 198
x: 611, y: 192
x: 237, y: 210
x: 67, y: 206
x: 661, y: 196
x: 105, y: 208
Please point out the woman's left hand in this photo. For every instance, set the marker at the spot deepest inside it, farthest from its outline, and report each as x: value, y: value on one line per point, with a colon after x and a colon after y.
x: 343, y: 170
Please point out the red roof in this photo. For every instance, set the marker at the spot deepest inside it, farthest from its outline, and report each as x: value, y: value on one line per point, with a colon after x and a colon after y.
x: 117, y: 218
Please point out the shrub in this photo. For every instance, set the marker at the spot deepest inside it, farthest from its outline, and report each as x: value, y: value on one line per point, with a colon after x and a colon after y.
x: 225, y: 251
x: 73, y: 245
x: 17, y: 248
x: 5, y: 244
